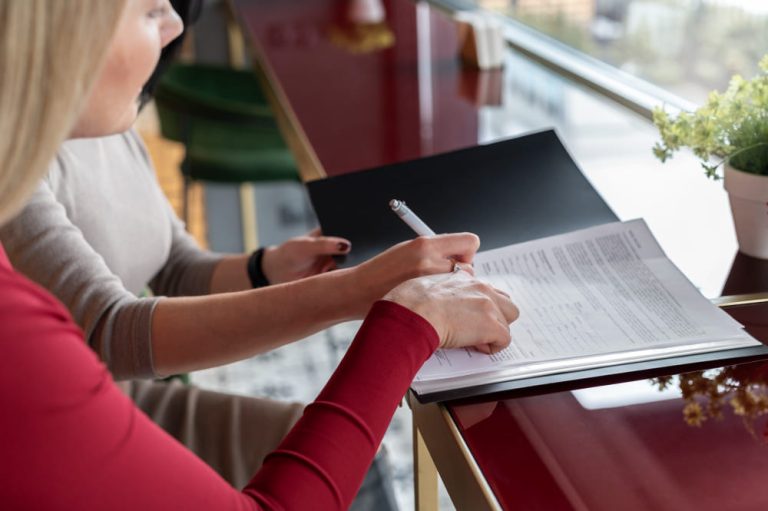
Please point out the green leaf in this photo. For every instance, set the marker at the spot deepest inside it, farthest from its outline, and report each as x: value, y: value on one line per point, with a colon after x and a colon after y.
x: 732, y: 124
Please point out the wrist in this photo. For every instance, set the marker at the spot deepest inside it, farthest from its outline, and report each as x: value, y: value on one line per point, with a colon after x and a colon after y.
x: 405, y: 316
x: 353, y: 291
x: 270, y: 265
x: 414, y: 298
x: 256, y: 264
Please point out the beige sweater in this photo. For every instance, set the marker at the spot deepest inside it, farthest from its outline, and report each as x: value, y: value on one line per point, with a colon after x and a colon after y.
x: 97, y: 232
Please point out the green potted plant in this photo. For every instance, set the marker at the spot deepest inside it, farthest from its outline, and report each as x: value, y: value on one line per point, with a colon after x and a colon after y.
x: 730, y: 130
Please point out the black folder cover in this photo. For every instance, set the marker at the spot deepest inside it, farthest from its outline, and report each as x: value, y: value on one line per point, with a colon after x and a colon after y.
x: 507, y: 192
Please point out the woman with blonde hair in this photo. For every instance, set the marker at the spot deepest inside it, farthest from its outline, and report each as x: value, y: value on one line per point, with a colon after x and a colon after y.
x: 98, y: 231
x: 73, y: 441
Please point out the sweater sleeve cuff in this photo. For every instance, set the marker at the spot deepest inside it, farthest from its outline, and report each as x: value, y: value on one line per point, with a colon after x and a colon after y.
x: 126, y: 347
x: 404, y: 315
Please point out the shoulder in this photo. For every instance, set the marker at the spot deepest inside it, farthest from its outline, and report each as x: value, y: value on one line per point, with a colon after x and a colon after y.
x: 21, y: 300
x: 30, y: 314
x: 44, y: 355
x: 124, y: 150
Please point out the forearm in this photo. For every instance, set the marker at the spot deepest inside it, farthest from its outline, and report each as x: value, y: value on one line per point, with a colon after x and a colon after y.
x: 199, y: 332
x: 230, y: 275
x: 321, y: 463
x: 92, y: 449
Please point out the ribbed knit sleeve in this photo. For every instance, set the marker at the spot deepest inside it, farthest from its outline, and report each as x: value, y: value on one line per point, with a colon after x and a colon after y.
x: 188, y: 269
x: 99, y: 285
x: 322, y: 461
x: 74, y: 441
x: 44, y: 245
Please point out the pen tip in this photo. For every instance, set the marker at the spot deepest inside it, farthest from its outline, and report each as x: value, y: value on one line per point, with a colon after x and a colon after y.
x: 394, y: 204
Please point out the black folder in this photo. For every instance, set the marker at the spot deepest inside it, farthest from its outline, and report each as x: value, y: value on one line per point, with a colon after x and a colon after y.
x: 507, y: 192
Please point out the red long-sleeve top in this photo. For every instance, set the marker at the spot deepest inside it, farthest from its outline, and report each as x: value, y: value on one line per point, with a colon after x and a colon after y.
x: 69, y: 439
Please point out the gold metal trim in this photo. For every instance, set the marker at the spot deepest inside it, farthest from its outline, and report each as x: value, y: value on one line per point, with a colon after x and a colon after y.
x: 733, y: 300
x: 424, y: 475
x: 309, y: 164
x: 463, y: 479
x: 471, y: 462
x: 248, y: 221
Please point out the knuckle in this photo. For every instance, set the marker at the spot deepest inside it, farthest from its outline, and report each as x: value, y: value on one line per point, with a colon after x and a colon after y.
x: 423, y: 266
x: 484, y: 288
x: 403, y: 245
x: 420, y: 249
x: 488, y: 307
x: 420, y: 244
x: 514, y: 312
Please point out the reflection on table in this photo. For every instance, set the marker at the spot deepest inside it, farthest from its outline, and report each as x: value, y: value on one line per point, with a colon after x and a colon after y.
x: 361, y: 99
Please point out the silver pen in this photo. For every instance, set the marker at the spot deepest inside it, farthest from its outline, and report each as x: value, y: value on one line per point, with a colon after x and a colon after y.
x: 418, y: 225
x: 410, y: 218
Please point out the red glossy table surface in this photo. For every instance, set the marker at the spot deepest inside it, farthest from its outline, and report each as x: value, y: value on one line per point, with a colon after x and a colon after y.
x: 604, y: 448
x: 364, y: 109
x: 628, y: 446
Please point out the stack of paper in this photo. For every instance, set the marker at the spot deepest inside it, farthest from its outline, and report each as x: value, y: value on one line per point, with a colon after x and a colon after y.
x: 598, y: 297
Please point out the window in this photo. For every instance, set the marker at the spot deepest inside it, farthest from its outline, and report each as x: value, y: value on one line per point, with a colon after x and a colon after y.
x: 686, y: 47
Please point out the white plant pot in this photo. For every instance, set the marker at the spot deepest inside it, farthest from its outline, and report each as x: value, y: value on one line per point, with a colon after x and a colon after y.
x: 748, y: 194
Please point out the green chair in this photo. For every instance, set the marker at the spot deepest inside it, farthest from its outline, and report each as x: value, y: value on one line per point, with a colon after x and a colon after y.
x: 229, y: 132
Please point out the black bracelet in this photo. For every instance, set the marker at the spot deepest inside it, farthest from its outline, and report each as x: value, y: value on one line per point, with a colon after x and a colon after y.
x: 255, y: 271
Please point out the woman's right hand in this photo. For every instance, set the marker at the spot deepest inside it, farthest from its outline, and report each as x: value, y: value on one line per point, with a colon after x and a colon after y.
x: 464, y: 311
x: 425, y: 255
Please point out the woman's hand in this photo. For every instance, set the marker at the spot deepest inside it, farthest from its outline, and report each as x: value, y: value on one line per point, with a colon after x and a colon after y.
x: 302, y: 256
x: 425, y: 255
x: 464, y: 311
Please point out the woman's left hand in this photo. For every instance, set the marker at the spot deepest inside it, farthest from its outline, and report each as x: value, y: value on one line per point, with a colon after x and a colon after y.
x: 302, y: 256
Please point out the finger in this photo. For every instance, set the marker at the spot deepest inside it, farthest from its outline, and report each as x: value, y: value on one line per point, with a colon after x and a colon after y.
x: 497, y: 342
x: 321, y: 265
x: 330, y: 245
x: 327, y: 265
x: 483, y: 348
x: 465, y: 267
x: 494, y: 334
x: 510, y: 311
x: 502, y: 338
x: 461, y: 246
x: 463, y: 270
x: 445, y: 265
x: 503, y: 342
x: 496, y: 347
x: 507, y: 308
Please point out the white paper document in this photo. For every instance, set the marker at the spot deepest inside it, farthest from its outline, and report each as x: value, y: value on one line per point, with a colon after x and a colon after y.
x: 591, y: 298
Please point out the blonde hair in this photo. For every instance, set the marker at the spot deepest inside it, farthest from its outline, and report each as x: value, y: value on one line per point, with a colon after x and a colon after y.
x: 50, y: 54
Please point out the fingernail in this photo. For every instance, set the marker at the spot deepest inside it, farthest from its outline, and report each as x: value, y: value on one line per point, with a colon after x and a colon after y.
x: 343, y: 247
